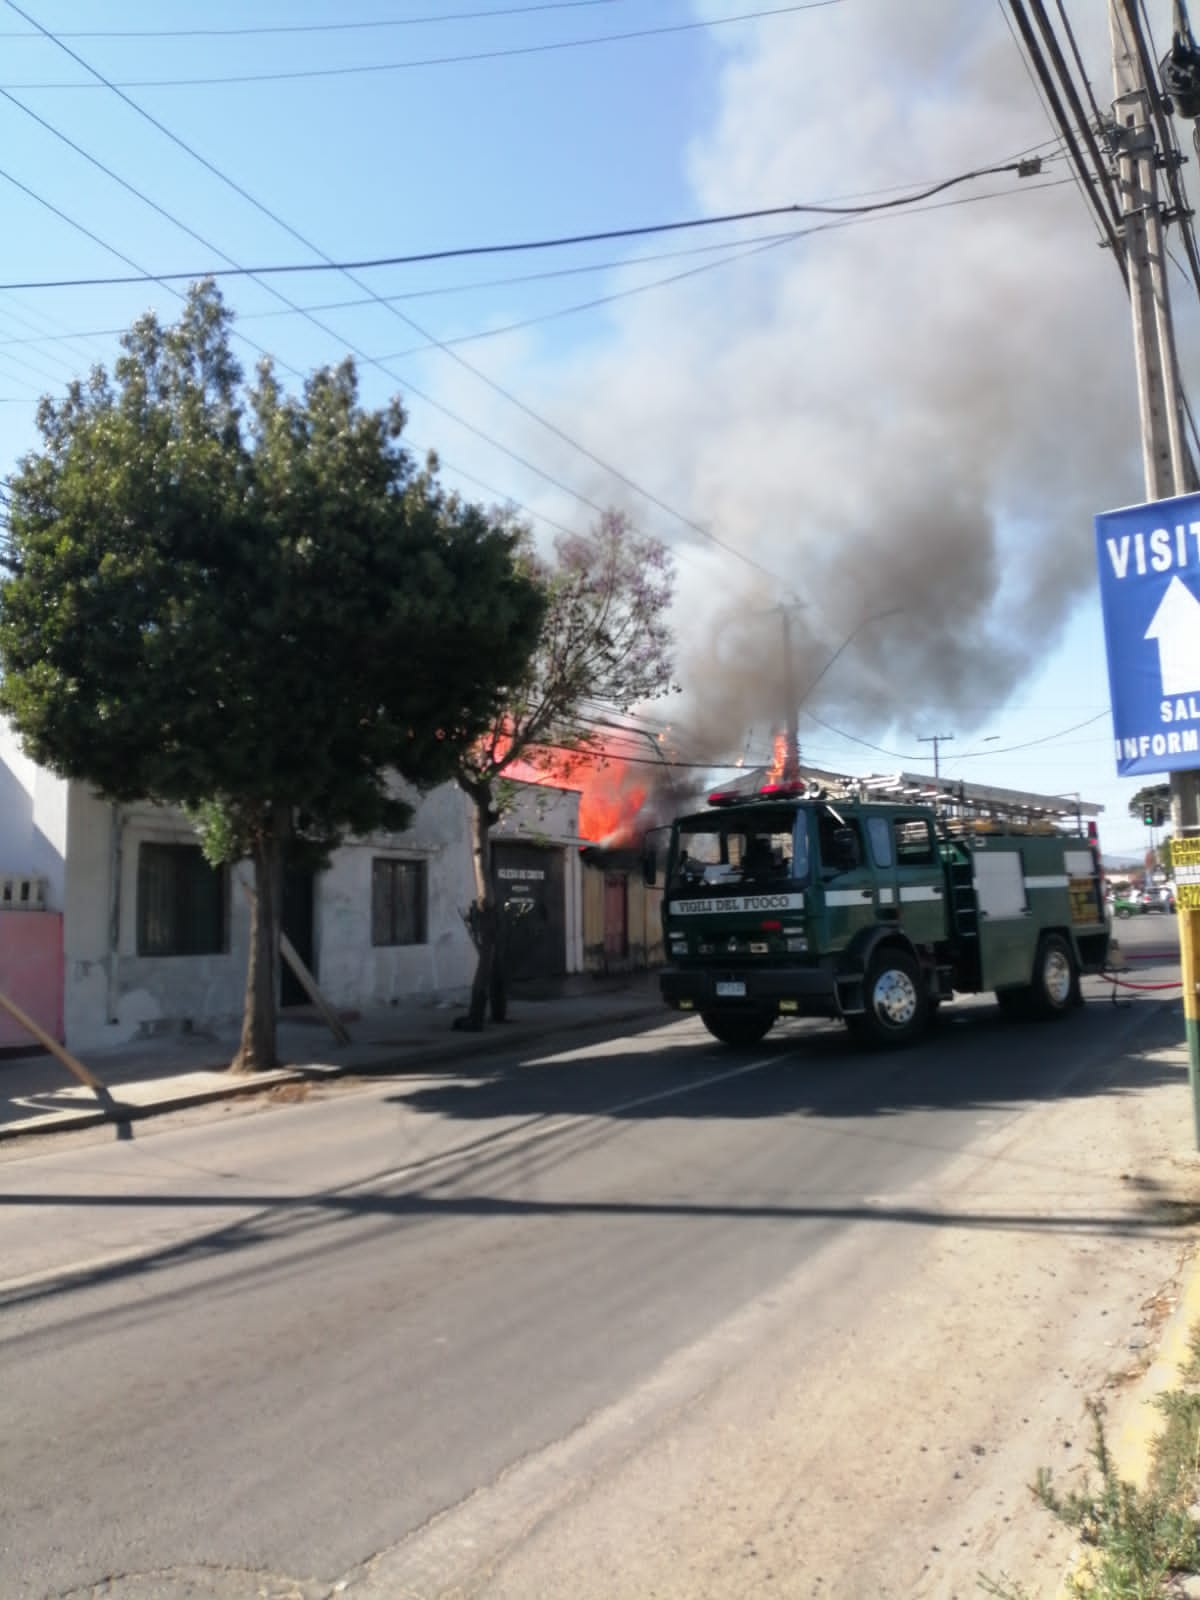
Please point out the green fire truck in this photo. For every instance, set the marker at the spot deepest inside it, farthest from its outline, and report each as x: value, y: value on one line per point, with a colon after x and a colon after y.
x: 876, y: 899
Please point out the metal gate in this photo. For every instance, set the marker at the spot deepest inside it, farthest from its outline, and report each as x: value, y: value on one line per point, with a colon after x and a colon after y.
x: 530, y: 881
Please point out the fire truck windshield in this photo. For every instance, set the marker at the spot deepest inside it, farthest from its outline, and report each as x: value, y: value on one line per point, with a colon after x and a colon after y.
x: 713, y: 851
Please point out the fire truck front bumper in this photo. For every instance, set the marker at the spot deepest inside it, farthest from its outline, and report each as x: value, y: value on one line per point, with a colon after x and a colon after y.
x: 807, y: 991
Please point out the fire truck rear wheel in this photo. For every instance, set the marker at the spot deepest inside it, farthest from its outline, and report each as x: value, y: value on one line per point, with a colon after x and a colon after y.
x: 738, y: 1027
x: 1055, y: 977
x: 896, y: 1001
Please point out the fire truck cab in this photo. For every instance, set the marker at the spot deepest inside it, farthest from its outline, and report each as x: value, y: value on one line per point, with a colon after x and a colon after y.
x: 875, y: 900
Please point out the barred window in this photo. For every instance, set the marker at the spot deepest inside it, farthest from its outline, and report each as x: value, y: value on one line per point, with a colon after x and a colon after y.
x: 398, y: 895
x: 181, y: 902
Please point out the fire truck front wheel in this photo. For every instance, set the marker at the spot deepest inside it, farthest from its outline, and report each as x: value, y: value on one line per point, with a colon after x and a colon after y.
x: 738, y: 1027
x: 896, y: 1001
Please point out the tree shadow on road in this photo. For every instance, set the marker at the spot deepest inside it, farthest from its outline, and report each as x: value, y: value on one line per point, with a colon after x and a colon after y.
x: 553, y: 1110
x: 974, y: 1059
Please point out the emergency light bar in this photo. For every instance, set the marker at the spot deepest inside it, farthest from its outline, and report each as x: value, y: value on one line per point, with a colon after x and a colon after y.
x: 794, y: 789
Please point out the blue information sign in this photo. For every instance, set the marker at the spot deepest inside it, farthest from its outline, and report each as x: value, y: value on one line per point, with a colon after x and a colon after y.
x: 1150, y: 595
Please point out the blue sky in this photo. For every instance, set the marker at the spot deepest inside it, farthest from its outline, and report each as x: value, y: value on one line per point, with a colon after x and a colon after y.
x: 915, y: 415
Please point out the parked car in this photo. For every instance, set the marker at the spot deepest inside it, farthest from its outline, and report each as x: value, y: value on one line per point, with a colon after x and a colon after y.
x: 1127, y: 905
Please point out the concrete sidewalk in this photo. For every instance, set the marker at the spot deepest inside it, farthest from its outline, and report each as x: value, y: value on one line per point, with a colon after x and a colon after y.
x: 153, y: 1075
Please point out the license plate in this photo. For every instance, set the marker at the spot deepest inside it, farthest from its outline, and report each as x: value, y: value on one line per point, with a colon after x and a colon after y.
x: 731, y: 991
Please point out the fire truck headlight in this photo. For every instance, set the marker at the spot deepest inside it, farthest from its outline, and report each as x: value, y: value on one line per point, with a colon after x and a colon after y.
x: 679, y: 944
x: 797, y: 944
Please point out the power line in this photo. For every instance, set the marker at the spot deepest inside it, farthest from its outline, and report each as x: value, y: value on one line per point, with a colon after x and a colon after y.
x: 169, y: 216
x: 111, y: 249
x: 313, y: 27
x: 458, y: 59
x: 1171, y: 159
x: 1097, y: 118
x: 1172, y: 156
x: 732, y: 254
x: 1087, y: 176
x: 706, y: 533
x: 1099, y: 167
x: 772, y: 242
x: 967, y: 755
x: 292, y: 305
x: 458, y: 359
x: 462, y: 252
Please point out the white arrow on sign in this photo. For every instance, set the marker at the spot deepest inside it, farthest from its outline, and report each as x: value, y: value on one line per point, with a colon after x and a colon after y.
x: 1176, y: 626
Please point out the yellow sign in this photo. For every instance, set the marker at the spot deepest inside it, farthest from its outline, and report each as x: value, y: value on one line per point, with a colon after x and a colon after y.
x: 1185, y: 852
x: 1187, y: 896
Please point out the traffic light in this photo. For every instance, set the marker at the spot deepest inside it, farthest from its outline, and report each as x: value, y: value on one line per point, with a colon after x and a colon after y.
x: 1149, y: 812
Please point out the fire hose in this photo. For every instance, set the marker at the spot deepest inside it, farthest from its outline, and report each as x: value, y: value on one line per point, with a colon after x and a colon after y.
x: 1124, y: 983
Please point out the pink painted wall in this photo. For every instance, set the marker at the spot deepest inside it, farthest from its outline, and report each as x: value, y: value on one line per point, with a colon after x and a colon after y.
x: 31, y: 973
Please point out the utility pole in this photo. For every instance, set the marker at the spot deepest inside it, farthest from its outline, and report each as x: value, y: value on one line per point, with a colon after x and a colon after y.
x: 936, y: 740
x: 1165, y: 460
x: 791, y: 760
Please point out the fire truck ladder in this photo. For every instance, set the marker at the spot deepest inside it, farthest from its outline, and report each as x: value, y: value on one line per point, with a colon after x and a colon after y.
x: 972, y: 807
x: 964, y: 910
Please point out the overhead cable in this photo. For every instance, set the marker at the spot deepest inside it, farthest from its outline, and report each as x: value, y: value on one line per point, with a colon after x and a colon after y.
x: 314, y: 27
x: 459, y: 59
x: 1021, y: 167
x: 1028, y: 168
x: 909, y: 755
x: 363, y: 355
x: 1097, y: 117
x: 1088, y: 176
x: 1172, y: 157
x: 1099, y: 166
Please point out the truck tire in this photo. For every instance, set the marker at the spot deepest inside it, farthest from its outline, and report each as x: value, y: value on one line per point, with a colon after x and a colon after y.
x: 896, y: 1002
x: 738, y: 1027
x: 1055, y: 988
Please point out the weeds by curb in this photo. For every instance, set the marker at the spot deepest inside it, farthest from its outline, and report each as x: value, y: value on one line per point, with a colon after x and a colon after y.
x: 1136, y: 1544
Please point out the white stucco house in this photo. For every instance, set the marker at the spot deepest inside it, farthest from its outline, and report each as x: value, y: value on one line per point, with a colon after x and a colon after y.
x: 153, y: 939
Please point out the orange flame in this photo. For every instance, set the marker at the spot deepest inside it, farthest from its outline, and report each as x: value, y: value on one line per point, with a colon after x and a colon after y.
x: 778, y: 758
x: 609, y: 802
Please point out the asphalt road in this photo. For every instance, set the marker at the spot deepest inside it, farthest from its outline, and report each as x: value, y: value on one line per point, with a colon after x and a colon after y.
x: 246, y: 1351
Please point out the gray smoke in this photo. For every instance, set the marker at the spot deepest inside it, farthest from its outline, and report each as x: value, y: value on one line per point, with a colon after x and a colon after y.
x: 916, y: 415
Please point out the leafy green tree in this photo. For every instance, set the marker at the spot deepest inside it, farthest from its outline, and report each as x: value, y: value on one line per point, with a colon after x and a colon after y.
x: 251, y: 605
x: 605, y: 643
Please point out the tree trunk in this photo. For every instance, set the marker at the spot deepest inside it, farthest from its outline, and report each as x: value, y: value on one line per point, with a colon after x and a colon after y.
x: 257, y: 1050
x: 488, y: 983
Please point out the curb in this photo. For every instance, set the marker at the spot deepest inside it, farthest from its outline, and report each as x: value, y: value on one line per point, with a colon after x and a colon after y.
x: 1141, y: 1422
x: 1134, y: 1444
x: 489, y: 1041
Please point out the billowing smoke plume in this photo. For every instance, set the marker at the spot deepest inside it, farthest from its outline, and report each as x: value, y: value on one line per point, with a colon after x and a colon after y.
x: 917, y: 415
